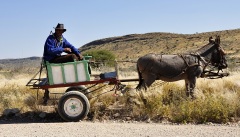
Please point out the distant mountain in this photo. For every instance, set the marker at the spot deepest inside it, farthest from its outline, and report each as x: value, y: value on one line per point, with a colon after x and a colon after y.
x: 19, y: 60
x: 28, y: 65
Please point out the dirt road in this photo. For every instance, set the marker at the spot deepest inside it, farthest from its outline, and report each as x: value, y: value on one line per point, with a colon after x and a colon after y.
x: 112, y: 129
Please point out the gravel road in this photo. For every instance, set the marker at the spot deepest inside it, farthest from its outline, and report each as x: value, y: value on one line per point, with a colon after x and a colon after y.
x: 114, y: 129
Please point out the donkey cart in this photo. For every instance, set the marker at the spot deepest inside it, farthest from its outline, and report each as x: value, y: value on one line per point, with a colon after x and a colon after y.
x: 74, y: 104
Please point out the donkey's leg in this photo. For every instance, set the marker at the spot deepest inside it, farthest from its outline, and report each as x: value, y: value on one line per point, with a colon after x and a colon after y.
x: 187, y: 88
x: 193, y: 73
x: 149, y: 78
x: 192, y: 86
x: 142, y: 96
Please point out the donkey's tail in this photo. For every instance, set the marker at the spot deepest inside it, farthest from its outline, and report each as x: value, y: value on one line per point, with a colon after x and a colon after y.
x: 141, y: 83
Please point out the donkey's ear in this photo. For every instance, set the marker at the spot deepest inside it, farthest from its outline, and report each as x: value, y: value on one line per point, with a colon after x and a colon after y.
x: 211, y: 40
x: 217, y: 40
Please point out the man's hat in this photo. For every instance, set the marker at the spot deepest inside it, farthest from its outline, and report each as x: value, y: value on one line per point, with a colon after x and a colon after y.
x: 61, y: 27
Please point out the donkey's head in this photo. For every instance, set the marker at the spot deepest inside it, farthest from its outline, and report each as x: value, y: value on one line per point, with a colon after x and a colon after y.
x: 218, y: 58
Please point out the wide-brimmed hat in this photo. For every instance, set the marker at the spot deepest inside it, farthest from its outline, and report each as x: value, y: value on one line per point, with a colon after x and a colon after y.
x: 60, y: 27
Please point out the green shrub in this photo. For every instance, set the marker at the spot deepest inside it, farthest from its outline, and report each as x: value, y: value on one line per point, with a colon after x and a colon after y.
x: 154, y: 106
x: 102, y: 56
x: 210, y: 109
x: 173, y: 93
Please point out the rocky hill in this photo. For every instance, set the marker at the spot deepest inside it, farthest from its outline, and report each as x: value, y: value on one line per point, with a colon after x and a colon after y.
x: 23, y: 65
x: 131, y: 47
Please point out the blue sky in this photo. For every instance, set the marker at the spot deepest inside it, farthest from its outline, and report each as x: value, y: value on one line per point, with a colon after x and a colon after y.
x: 25, y: 24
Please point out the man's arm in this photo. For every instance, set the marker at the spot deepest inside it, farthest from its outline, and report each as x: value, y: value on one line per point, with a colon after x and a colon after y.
x: 73, y: 49
x: 52, y: 49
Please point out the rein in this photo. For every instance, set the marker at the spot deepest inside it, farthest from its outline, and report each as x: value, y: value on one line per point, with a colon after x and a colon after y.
x: 209, y: 73
x: 206, y: 73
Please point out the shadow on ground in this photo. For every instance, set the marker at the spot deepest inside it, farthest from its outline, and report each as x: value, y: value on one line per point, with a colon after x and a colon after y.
x: 30, y: 117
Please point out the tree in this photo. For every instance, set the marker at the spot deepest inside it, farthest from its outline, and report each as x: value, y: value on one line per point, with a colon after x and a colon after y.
x: 102, y: 56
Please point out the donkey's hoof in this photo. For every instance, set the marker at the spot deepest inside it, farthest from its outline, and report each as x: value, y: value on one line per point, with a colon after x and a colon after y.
x: 188, y: 94
x: 144, y: 101
x: 193, y: 96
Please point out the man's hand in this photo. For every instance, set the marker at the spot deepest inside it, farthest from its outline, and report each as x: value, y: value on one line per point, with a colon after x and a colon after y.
x: 67, y: 50
x: 80, y: 56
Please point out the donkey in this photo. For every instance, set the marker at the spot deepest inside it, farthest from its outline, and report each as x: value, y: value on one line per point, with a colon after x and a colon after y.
x: 186, y: 67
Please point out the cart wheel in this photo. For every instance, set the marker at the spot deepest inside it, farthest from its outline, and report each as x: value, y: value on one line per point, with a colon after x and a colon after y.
x: 81, y: 89
x: 73, y: 106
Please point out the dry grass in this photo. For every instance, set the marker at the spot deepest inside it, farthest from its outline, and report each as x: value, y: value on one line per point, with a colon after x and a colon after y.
x: 14, y: 94
x: 218, y: 100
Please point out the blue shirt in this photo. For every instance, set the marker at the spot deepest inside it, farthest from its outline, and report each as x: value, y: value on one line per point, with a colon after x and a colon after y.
x: 54, y: 48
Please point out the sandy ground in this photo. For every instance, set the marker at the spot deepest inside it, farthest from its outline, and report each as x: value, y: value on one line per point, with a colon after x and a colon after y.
x: 114, y: 129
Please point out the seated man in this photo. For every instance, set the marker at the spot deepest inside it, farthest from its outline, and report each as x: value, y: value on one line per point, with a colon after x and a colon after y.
x: 56, y: 44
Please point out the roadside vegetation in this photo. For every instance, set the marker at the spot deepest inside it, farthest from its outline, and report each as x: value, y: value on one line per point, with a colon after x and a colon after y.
x: 217, y: 102
x: 102, y: 57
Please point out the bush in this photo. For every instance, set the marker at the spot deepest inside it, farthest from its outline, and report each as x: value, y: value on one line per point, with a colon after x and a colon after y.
x: 173, y: 104
x: 102, y: 56
x: 212, y: 109
x: 15, y: 96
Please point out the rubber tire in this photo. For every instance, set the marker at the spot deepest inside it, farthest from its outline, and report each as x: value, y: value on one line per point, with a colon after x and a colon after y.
x: 77, y: 96
x: 80, y: 88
